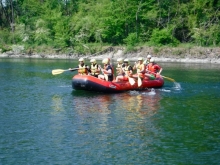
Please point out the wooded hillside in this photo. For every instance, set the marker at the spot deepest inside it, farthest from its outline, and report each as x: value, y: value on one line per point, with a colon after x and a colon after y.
x: 78, y: 25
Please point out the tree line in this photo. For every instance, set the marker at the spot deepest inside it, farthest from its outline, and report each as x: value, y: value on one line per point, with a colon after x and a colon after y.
x: 87, y: 25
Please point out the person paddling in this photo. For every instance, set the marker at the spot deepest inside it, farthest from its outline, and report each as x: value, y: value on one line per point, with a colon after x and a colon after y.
x: 119, y: 67
x: 140, y: 68
x: 83, y: 68
x: 94, y: 68
x: 106, y: 70
x: 112, y: 66
x: 146, y: 62
x: 127, y: 72
x: 153, y: 69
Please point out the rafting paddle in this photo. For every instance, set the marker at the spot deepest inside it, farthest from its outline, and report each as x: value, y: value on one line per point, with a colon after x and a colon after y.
x: 139, y: 78
x: 139, y: 81
x: 131, y: 80
x: 168, y: 78
x: 59, y: 71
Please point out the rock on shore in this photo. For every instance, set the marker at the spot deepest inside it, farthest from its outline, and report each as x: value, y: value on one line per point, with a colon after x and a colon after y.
x: 186, y: 55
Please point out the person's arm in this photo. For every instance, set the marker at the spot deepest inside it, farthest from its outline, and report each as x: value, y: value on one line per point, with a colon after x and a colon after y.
x: 72, y: 69
x: 158, y: 68
x: 161, y: 69
x: 147, y: 67
x: 130, y: 70
x: 88, y: 68
x: 122, y: 68
x: 108, y: 70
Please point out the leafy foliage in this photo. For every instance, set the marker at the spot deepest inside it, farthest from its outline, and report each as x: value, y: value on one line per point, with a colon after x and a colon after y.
x: 163, y: 37
x: 131, y: 40
x: 75, y: 24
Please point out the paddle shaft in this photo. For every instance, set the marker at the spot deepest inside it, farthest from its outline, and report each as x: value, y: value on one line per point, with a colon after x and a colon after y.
x: 59, y: 71
x: 168, y: 78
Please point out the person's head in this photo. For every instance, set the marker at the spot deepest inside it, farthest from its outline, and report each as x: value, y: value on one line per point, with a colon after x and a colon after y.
x: 126, y: 61
x: 81, y: 61
x: 140, y: 60
x: 148, y: 57
x: 152, y: 60
x: 120, y: 60
x: 93, y: 61
x: 105, y: 61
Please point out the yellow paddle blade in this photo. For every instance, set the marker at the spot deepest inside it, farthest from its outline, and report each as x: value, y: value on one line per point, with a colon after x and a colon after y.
x: 139, y: 81
x: 131, y: 80
x: 58, y: 71
x: 168, y: 78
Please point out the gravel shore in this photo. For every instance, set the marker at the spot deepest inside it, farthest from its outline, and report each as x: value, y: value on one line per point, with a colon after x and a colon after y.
x: 193, y: 55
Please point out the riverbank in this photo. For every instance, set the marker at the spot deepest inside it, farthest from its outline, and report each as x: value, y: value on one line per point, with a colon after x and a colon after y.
x: 185, y: 55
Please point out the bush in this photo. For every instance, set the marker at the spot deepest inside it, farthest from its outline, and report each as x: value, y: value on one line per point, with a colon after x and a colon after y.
x: 5, y: 37
x: 4, y: 48
x: 163, y: 37
x: 131, y: 40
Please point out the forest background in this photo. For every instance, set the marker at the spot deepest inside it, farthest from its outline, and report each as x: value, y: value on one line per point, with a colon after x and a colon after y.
x: 90, y: 26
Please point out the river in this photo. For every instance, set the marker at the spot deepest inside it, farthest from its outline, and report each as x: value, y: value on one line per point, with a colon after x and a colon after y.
x: 44, y: 121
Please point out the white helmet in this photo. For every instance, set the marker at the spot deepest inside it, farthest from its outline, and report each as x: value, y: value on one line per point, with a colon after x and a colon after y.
x: 126, y: 60
x: 152, y: 60
x: 149, y: 56
x: 81, y: 59
x: 140, y: 59
x: 93, y: 61
x: 105, y: 61
x: 119, y: 60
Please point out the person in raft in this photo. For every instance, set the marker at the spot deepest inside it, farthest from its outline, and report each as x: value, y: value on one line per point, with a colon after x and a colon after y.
x: 106, y: 70
x: 153, y: 69
x: 83, y: 69
x: 112, y: 66
x: 146, y: 62
x: 141, y: 69
x: 94, y: 68
x: 119, y: 67
x: 127, y: 72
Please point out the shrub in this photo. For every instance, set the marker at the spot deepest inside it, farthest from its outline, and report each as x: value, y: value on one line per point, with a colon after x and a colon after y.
x: 163, y: 37
x: 5, y: 37
x: 131, y: 40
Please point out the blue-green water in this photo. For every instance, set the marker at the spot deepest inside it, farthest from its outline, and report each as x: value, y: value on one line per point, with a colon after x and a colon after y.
x: 44, y: 121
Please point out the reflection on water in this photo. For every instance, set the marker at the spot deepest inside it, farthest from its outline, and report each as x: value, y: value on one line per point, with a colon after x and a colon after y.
x: 142, y: 103
x: 57, y: 103
x: 92, y: 108
x: 145, y: 103
x: 99, y: 103
x: 117, y: 125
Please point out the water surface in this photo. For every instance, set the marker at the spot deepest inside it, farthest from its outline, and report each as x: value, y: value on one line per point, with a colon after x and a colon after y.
x: 44, y: 121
